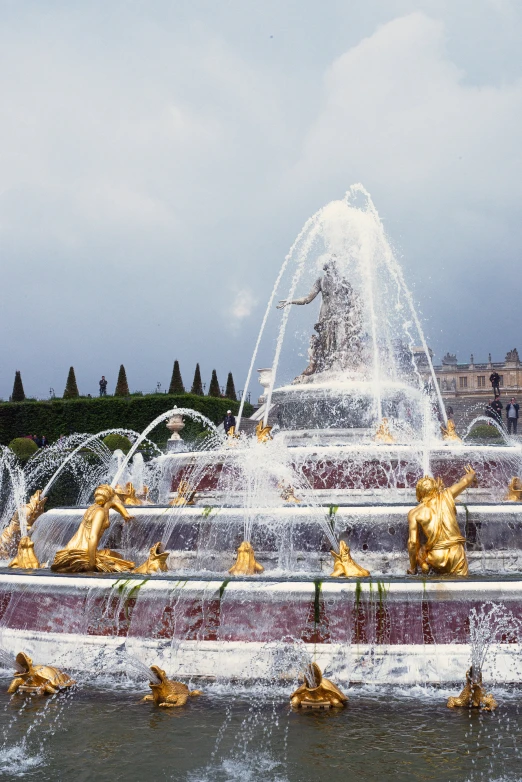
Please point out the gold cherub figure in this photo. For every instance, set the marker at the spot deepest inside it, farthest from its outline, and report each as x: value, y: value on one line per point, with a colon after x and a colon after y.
x: 263, y: 433
x: 383, y: 434
x: 514, y: 490
x: 449, y: 432
x: 156, y: 562
x: 167, y: 693
x: 185, y: 496
x: 317, y: 692
x: 473, y: 696
x: 344, y: 565
x: 246, y: 563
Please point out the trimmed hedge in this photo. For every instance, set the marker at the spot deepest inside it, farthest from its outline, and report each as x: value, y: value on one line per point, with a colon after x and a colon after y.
x: 484, y: 432
x: 115, y: 442
x: 23, y: 447
x: 65, y: 416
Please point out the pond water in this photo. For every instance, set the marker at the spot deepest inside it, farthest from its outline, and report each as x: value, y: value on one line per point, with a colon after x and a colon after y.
x: 107, y: 735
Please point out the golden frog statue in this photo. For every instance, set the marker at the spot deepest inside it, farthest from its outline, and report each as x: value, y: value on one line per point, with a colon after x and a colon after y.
x: 263, y: 433
x: 383, y: 434
x: 514, y: 490
x: 344, y: 565
x: 10, y: 537
x: 317, y: 692
x: 473, y: 696
x: 25, y: 558
x: 435, y: 518
x: 167, y: 693
x: 156, y: 562
x: 449, y: 432
x: 185, y: 496
x: 38, y: 679
x: 246, y: 564
x: 81, y: 554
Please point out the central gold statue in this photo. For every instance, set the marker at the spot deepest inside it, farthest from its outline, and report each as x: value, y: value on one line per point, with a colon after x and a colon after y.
x: 344, y: 565
x: 436, y: 518
x: 246, y: 563
x: 473, y: 696
x: 316, y: 692
x: 168, y: 693
x: 81, y: 554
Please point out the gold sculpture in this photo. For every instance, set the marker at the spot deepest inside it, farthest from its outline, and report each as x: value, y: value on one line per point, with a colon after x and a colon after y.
x: 436, y: 517
x: 449, y: 432
x: 185, y: 495
x: 263, y: 433
x: 10, y: 537
x: 316, y: 692
x: 383, y: 434
x: 344, y: 566
x: 287, y: 493
x: 129, y: 496
x: 167, y: 693
x: 156, y: 562
x: 514, y: 490
x: 473, y: 696
x: 81, y: 554
x: 37, y: 679
x: 25, y: 558
x: 246, y: 564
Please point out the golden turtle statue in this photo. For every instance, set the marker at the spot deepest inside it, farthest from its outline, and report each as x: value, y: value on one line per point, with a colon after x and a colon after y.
x: 167, y: 693
x: 38, y: 679
x: 156, y: 562
x: 473, y: 696
x: 317, y: 692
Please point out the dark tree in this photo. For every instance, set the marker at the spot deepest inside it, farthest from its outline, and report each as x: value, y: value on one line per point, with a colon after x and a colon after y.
x: 176, y: 383
x: 18, y: 394
x: 197, y: 385
x: 122, y: 387
x: 214, y: 389
x: 230, y: 391
x: 71, y: 387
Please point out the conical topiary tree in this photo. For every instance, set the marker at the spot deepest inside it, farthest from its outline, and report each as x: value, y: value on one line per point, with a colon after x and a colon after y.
x: 18, y: 394
x: 176, y: 383
x: 214, y: 389
x: 197, y: 385
x: 122, y: 387
x: 230, y: 391
x: 71, y: 387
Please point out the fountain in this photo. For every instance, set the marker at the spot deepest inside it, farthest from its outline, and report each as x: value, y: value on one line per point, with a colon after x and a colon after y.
x: 237, y: 534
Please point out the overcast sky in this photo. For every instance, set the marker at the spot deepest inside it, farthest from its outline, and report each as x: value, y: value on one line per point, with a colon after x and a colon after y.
x: 157, y: 160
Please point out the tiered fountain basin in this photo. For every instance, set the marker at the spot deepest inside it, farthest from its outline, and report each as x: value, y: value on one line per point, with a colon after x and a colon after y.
x: 383, y: 631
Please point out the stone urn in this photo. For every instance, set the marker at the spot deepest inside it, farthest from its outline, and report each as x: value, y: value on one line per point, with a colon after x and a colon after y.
x: 175, y: 425
x: 265, y: 378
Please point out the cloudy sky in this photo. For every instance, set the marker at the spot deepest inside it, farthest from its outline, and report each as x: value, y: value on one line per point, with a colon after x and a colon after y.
x: 158, y: 158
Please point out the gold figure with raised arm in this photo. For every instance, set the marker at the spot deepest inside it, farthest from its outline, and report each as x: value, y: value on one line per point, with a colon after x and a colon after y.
x: 344, y: 565
x: 185, y: 496
x: 317, y: 692
x: 514, y: 493
x: 383, y: 434
x: 246, y: 563
x: 10, y: 537
x: 168, y: 693
x: 81, y: 554
x: 156, y: 562
x: 25, y: 558
x: 473, y: 696
x: 37, y: 679
x: 435, y: 517
x: 449, y: 433
x: 263, y: 433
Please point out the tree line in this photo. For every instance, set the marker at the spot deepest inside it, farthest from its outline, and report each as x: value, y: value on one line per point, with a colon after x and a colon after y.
x: 122, y: 386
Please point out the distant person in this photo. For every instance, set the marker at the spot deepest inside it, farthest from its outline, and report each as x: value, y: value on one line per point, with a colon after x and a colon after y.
x: 103, y: 386
x: 45, y: 441
x: 449, y: 412
x: 512, y: 416
x: 494, y: 379
x: 38, y: 440
x: 229, y: 421
x: 496, y: 408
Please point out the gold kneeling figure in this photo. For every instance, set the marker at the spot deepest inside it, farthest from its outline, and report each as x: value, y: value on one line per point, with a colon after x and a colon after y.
x: 167, y: 693
x: 316, y: 692
x: 81, y: 554
x: 37, y: 679
x: 156, y: 562
x: 344, y: 566
x: 435, y: 518
x: 473, y: 695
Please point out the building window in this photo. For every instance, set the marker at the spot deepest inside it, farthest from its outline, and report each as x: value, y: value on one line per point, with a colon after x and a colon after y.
x: 501, y: 381
x: 481, y: 381
x: 463, y: 382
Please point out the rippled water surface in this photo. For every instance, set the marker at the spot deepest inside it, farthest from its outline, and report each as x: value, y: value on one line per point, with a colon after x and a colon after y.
x: 97, y: 734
